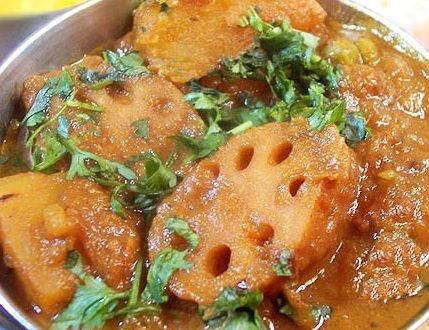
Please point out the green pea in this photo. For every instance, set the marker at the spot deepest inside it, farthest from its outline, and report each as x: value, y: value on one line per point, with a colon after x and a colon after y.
x: 343, y: 51
x: 369, y: 51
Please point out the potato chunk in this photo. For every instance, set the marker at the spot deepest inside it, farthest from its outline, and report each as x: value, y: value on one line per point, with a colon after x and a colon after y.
x: 279, y: 187
x: 37, y: 260
x: 189, y: 39
x: 42, y: 217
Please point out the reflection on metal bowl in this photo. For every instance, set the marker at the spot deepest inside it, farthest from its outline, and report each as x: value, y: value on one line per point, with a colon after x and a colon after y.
x: 18, y: 19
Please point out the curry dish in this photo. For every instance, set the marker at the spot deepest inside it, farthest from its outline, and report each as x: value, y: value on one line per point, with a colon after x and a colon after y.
x: 227, y: 164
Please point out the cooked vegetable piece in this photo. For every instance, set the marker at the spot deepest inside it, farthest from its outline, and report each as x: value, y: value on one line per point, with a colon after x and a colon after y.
x: 305, y: 315
x: 111, y: 134
x: 190, y: 38
x: 40, y: 225
x: 263, y: 198
x: 111, y: 244
x: 29, y: 247
x: 343, y: 51
x: 152, y: 98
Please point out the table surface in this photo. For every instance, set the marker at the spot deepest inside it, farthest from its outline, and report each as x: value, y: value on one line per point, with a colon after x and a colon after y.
x: 410, y: 15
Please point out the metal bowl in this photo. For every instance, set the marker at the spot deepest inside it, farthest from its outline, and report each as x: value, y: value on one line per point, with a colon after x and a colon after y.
x: 68, y: 37
x: 14, y: 28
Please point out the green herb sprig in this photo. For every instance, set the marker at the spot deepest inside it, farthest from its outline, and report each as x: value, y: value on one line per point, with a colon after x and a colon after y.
x: 301, y: 83
x: 234, y: 309
x: 121, y: 66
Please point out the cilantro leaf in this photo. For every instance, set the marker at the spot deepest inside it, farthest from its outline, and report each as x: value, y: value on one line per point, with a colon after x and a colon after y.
x: 355, y: 129
x: 165, y: 264
x: 65, y: 85
x: 164, y: 7
x: 3, y: 159
x: 284, y: 266
x: 134, y: 305
x: 157, y: 183
x: 159, y: 177
x: 303, y: 314
x: 129, y: 65
x: 181, y: 228
x: 141, y: 128
x: 58, y: 86
x: 234, y: 309
x: 97, y: 80
x: 203, y: 147
x: 63, y: 127
x: 103, y: 170
x: 207, y: 101
x: 92, y: 302
x: 122, y: 66
x: 54, y: 152
x: 250, y: 65
x: 117, y: 203
x: 287, y: 310
x: 301, y: 82
x: 321, y: 313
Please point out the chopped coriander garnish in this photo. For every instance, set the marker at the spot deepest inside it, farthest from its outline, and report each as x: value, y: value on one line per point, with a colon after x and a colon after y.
x: 157, y: 183
x: 53, y: 153
x: 141, y: 128
x: 59, y: 86
x: 165, y: 264
x: 97, y: 80
x: 164, y: 7
x: 181, y: 228
x: 286, y: 309
x: 122, y: 66
x: 284, y: 266
x: 94, y: 302
x: 128, y: 65
x: 301, y: 82
x: 321, y: 313
x: 201, y: 148
x: 234, y: 309
x: 305, y: 315
x: 100, y: 170
x: 355, y: 130
x: 3, y: 159
x: 63, y: 127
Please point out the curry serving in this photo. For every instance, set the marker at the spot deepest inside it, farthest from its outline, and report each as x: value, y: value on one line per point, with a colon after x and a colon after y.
x: 226, y: 165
